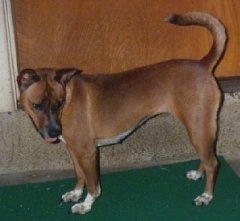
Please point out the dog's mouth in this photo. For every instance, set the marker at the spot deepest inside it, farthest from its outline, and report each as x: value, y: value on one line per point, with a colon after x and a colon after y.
x: 52, y: 139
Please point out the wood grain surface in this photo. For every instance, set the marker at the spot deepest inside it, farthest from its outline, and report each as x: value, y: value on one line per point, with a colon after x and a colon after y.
x: 116, y: 35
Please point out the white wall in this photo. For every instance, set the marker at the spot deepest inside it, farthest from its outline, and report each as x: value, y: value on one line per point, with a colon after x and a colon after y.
x: 8, y: 64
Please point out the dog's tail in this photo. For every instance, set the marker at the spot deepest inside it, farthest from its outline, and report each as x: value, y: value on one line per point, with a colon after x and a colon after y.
x: 213, y: 25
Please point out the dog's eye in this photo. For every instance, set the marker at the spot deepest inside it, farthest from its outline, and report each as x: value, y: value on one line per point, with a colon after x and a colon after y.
x: 37, y: 107
x: 58, y: 105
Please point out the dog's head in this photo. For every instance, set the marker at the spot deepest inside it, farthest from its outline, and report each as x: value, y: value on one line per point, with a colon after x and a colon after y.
x: 42, y: 96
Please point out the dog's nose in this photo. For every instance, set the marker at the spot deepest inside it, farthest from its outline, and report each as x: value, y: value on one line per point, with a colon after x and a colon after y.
x: 54, y: 132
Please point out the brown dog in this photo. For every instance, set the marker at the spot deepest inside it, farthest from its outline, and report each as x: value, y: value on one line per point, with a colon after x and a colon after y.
x: 102, y: 109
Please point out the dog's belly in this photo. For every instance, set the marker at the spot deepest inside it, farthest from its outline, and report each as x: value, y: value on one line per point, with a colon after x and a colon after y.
x: 113, y: 140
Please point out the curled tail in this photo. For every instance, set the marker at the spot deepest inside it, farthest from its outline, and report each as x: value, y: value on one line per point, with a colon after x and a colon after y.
x: 213, y: 25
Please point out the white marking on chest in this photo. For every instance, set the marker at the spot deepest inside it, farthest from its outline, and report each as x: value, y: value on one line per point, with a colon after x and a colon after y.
x: 62, y: 139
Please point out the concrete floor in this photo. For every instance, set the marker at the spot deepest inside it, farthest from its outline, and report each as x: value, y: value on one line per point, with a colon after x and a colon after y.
x: 50, y: 175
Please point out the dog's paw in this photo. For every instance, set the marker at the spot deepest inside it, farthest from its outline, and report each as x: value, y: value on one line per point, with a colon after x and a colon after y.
x: 81, y: 208
x: 203, y: 199
x: 194, y: 175
x: 86, y: 205
x: 72, y: 196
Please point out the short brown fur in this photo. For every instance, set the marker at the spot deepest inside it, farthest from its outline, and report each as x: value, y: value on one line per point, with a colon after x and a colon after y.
x: 101, y: 109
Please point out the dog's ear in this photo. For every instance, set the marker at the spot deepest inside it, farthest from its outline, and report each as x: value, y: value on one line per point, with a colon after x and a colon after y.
x: 64, y: 75
x: 26, y: 78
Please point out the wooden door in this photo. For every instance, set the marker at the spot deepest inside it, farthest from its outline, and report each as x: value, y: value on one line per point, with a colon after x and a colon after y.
x: 111, y: 35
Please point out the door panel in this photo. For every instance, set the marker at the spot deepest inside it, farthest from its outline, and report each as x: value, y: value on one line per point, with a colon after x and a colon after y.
x: 110, y: 35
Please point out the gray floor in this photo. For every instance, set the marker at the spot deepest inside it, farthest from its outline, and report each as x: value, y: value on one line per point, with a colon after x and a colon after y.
x: 42, y: 176
x: 234, y: 162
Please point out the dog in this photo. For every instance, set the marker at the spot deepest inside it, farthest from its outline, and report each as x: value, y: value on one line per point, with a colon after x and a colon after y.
x: 92, y: 110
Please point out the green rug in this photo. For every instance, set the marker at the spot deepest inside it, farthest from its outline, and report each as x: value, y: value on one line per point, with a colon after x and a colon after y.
x: 156, y: 193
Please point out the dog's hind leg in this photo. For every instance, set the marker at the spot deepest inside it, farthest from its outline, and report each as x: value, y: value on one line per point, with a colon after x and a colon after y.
x: 208, y: 163
x: 201, y: 124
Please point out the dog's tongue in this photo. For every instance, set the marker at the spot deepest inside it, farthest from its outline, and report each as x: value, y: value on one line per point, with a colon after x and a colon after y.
x: 51, y: 139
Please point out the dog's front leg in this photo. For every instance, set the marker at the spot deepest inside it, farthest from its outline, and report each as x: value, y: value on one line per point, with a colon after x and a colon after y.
x: 75, y: 195
x: 85, y: 161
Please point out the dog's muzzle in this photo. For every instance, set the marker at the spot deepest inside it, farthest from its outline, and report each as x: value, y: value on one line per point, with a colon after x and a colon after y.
x: 53, y: 134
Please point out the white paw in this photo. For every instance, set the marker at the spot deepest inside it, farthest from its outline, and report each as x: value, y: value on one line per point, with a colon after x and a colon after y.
x: 86, y: 205
x: 203, y: 199
x: 72, y: 196
x: 81, y: 208
x: 194, y: 175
